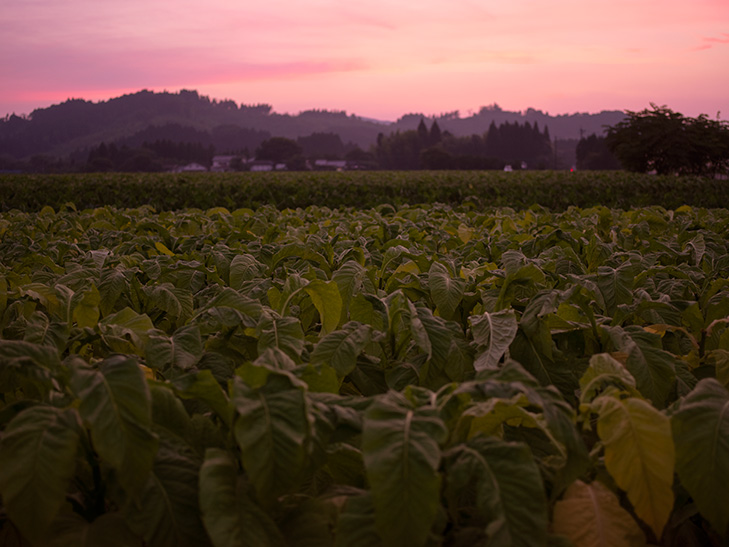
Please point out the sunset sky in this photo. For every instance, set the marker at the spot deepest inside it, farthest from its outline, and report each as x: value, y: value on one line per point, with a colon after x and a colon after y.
x: 379, y: 59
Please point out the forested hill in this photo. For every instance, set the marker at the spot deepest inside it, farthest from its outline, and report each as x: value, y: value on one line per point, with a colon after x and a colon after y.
x: 77, y: 125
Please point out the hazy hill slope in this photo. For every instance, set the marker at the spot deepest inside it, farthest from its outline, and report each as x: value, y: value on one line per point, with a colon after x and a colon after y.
x: 76, y: 124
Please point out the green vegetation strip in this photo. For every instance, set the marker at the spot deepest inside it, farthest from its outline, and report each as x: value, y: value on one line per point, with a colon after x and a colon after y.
x: 422, y: 375
x: 552, y: 189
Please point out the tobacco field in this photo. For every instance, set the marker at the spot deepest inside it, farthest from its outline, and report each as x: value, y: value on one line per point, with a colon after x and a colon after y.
x: 411, y: 375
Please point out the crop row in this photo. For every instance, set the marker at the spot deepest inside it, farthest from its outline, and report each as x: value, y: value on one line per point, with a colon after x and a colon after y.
x: 416, y: 375
x: 552, y: 189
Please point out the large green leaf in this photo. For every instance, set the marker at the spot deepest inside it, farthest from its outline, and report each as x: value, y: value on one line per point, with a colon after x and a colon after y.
x: 108, y: 530
x: 166, y: 512
x: 181, y: 350
x: 603, y: 373
x: 616, y: 285
x: 450, y: 355
x: 445, y: 291
x: 284, y: 333
x: 701, y: 433
x: 369, y: 310
x: 228, y: 308
x: 349, y: 278
x: 115, y: 402
x: 356, y: 524
x: 174, y: 301
x: 496, y: 486
x: 113, y: 283
x: 40, y: 330
x: 231, y: 518
x: 37, y: 462
x: 328, y: 302
x: 21, y: 351
x: 591, y: 515
x: 126, y: 331
x: 274, y: 432
x: 518, y: 280
x: 493, y: 334
x: 639, y: 455
x: 653, y: 368
x: 244, y: 267
x: 204, y: 386
x: 401, y: 451
x: 340, y: 348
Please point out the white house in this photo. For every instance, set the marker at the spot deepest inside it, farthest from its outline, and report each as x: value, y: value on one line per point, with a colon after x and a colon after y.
x: 190, y: 167
x: 222, y: 163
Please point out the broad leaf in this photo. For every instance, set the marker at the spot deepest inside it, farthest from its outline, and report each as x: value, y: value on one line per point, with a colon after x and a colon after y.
x: 328, y: 302
x: 86, y: 309
x: 37, y: 462
x: 181, y: 350
x: 616, y: 285
x: 174, y: 301
x: 274, y: 432
x: 493, y: 334
x: 591, y: 515
x: 349, y: 277
x: 108, y: 530
x: 116, y: 405
x: 126, y: 331
x: 701, y: 432
x: 340, y: 348
x: 653, y: 368
x: 284, y: 333
x: 244, y: 267
x: 230, y: 517
x: 510, y: 505
x: 166, y: 512
x: 401, y: 452
x: 639, y: 455
x: 605, y: 372
x: 204, y: 386
x: 445, y: 291
x: 113, y: 283
x: 356, y: 524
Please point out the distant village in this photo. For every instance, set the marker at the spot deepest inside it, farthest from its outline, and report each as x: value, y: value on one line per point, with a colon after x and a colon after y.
x: 224, y: 164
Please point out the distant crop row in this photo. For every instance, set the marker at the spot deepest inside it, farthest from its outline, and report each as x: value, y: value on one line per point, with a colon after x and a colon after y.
x: 552, y: 189
x: 421, y: 375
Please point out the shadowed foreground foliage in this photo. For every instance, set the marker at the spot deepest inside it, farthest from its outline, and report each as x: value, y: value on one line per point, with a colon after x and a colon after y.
x: 421, y: 376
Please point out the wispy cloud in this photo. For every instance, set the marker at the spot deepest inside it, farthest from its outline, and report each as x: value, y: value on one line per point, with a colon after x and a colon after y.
x: 710, y: 41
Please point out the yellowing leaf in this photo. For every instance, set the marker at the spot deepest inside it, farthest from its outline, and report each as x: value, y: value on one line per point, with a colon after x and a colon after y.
x: 465, y: 233
x: 163, y: 249
x: 639, y: 454
x: 328, y: 302
x: 407, y: 267
x: 656, y: 329
x: 86, y: 313
x: 590, y: 515
x: 148, y: 372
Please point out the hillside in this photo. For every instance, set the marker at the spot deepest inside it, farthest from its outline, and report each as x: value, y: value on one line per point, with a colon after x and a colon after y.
x: 76, y: 125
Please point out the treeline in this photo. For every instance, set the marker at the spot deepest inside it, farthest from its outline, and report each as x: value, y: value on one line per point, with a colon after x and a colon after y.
x: 160, y: 155
x: 165, y: 147
x: 515, y: 144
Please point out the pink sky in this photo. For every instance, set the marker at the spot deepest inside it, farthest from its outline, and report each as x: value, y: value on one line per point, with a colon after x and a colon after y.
x: 380, y: 58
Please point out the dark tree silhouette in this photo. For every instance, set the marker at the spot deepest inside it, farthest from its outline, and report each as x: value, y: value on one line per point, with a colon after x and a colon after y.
x: 593, y: 154
x: 667, y: 142
x: 278, y: 149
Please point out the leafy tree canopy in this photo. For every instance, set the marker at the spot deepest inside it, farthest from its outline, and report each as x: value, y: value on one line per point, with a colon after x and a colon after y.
x: 659, y: 139
x: 278, y: 149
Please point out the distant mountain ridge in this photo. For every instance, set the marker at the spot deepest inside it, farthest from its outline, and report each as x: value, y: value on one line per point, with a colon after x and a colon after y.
x: 76, y: 125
